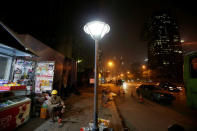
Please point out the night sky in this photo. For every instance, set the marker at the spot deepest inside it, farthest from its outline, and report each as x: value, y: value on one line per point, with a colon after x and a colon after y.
x: 52, y: 18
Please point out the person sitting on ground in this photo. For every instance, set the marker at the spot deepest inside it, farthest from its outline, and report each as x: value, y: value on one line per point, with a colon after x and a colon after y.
x: 56, y: 106
x: 105, y: 98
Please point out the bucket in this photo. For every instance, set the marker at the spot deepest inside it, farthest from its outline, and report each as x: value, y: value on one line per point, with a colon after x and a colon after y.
x: 43, y: 113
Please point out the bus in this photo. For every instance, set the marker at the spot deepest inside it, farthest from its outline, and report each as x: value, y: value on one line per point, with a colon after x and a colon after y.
x: 190, y: 78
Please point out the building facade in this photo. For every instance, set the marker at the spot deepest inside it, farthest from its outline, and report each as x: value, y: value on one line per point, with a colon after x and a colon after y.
x: 164, y: 47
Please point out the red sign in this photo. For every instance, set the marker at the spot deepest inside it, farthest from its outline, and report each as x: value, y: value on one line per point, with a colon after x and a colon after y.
x: 5, y: 88
x: 8, y: 88
x: 91, y: 81
x: 14, y: 116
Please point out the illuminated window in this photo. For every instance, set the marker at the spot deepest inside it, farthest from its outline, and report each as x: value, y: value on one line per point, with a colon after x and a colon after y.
x: 176, y: 40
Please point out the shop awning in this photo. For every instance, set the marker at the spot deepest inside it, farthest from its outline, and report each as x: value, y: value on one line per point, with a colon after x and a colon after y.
x: 10, y: 38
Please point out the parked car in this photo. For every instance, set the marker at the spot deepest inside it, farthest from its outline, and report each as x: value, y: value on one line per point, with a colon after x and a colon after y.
x: 154, y: 93
x: 169, y: 87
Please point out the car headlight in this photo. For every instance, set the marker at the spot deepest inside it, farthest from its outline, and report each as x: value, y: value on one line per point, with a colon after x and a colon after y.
x: 179, y: 87
x: 124, y: 85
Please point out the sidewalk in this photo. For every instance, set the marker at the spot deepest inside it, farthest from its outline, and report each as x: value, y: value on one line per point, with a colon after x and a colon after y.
x: 79, y: 113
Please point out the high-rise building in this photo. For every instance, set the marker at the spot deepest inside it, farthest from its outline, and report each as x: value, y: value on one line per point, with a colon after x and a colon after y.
x: 164, y: 47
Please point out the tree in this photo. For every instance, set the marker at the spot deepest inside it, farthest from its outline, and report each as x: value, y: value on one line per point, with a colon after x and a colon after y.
x: 136, y: 70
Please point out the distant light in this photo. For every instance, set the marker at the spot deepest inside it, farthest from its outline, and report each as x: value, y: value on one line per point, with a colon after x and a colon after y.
x: 143, y: 67
x: 146, y: 59
x: 79, y: 61
x: 110, y: 63
x: 182, y: 41
x: 179, y: 87
x: 99, y: 75
x: 96, y: 29
x: 124, y: 85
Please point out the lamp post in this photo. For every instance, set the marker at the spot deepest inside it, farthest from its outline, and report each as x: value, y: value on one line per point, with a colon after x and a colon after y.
x: 110, y: 64
x: 96, y: 30
x: 143, y: 75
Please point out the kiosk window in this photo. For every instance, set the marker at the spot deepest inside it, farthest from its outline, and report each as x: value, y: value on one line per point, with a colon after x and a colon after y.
x: 5, y: 65
x: 193, y: 66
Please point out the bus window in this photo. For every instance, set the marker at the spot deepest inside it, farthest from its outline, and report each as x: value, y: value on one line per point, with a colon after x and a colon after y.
x: 193, y: 66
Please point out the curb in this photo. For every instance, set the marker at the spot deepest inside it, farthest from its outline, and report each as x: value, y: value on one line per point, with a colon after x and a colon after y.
x: 118, y: 124
x: 124, y: 127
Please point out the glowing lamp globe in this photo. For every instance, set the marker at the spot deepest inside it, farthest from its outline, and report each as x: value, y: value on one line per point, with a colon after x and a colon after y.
x: 96, y: 29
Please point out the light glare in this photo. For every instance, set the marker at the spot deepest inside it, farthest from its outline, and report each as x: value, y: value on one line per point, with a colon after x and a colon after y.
x: 124, y: 85
x: 96, y: 29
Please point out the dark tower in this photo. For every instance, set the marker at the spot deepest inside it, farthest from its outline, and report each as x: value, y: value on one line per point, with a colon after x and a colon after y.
x: 164, y: 47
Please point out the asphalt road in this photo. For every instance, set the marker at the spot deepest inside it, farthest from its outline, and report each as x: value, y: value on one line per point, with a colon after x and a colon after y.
x: 149, y: 115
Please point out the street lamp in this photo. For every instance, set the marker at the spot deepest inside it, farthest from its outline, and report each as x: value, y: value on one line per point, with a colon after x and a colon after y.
x: 96, y: 29
x: 121, y: 75
x: 143, y: 67
x: 110, y: 63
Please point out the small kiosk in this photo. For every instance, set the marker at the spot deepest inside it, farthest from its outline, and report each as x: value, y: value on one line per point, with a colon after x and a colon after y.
x: 29, y: 68
x: 17, y: 67
x: 14, y: 80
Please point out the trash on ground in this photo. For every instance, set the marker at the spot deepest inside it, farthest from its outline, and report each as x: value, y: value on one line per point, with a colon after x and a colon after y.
x: 102, y: 124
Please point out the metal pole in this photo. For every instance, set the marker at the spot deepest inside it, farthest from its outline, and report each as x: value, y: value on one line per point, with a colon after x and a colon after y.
x: 95, y: 127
